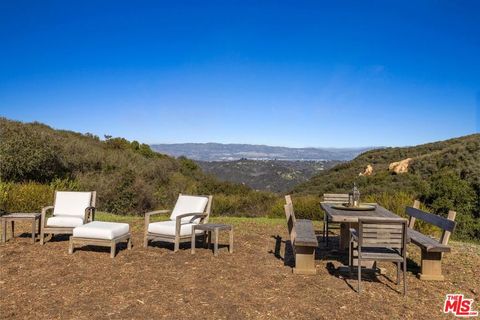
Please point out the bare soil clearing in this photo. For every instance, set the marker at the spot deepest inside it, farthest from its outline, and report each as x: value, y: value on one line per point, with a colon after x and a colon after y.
x: 254, y: 282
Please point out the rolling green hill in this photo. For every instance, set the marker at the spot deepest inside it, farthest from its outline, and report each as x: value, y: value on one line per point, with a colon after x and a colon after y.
x: 128, y: 176
x: 443, y: 175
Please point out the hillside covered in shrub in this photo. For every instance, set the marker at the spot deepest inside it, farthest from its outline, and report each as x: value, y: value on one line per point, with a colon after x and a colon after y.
x: 443, y: 175
x: 129, y: 177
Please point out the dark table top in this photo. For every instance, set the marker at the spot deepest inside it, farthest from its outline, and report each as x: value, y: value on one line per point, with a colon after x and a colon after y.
x: 338, y: 215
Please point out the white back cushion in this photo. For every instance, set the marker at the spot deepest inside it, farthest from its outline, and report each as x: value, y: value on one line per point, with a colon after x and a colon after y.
x: 71, y: 203
x: 189, y: 204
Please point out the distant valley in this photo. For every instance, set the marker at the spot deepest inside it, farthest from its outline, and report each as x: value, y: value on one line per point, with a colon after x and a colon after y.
x: 270, y: 175
x: 276, y: 169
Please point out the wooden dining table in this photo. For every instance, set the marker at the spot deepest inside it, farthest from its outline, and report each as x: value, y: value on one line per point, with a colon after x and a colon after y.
x: 349, y: 218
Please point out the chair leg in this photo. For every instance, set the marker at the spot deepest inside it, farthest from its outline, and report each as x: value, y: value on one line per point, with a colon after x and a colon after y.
x: 215, y: 244
x: 192, y: 246
x: 42, y: 236
x: 359, y: 268
x: 326, y: 233
x: 350, y: 257
x: 324, y: 227
x: 145, y: 241
x: 177, y: 245
x: 398, y: 273
x: 405, y: 276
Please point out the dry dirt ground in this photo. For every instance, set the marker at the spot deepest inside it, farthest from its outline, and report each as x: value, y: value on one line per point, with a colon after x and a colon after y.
x: 255, y: 282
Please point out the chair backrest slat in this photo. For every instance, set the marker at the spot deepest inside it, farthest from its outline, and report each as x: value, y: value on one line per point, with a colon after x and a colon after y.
x: 335, y: 197
x: 389, y: 233
x: 208, y: 210
x: 436, y: 220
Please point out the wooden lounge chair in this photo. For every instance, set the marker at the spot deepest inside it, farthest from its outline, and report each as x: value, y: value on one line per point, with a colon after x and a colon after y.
x: 71, y: 209
x: 337, y: 198
x: 188, y: 211
x: 380, y: 240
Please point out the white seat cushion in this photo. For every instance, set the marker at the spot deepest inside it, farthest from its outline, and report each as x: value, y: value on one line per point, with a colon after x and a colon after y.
x: 189, y: 204
x: 69, y: 203
x: 65, y: 221
x: 168, y: 228
x: 101, y: 230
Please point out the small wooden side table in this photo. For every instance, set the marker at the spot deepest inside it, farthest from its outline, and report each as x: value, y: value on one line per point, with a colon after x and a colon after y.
x: 216, y: 228
x: 12, y: 217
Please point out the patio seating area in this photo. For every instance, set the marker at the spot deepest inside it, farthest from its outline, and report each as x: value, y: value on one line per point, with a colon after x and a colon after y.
x: 265, y: 256
x: 155, y: 282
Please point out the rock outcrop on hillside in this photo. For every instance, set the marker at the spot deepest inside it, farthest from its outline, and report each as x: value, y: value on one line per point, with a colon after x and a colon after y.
x: 400, y: 167
x: 368, y: 171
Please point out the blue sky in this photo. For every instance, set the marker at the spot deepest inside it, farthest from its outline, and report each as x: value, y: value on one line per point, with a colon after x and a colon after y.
x: 293, y: 73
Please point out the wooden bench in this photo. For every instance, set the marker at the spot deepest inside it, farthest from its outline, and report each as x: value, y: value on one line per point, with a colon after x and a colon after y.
x: 432, y: 249
x: 303, y: 239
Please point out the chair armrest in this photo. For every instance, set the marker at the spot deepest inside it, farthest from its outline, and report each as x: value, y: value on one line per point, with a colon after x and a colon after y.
x: 44, y: 213
x: 178, y: 220
x: 89, y: 211
x: 353, y: 234
x: 196, y: 215
x: 151, y: 213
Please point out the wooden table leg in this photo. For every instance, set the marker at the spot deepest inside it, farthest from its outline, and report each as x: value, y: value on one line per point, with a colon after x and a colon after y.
x: 193, y: 240
x: 230, y: 247
x: 4, y: 230
x: 344, y: 235
x: 215, y: 244
x: 209, y: 239
x: 39, y: 225
x: 34, y: 230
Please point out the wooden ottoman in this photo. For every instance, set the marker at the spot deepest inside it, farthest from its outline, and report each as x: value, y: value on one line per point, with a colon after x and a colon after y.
x: 99, y: 233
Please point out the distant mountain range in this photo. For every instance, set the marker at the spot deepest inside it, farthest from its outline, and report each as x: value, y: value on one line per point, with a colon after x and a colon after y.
x: 229, y: 152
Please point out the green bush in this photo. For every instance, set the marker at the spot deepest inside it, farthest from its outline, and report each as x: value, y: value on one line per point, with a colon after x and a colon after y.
x: 28, y: 155
x: 397, y: 203
x: 28, y: 197
x: 306, y: 207
x: 4, y: 189
x: 256, y: 204
x: 128, y: 176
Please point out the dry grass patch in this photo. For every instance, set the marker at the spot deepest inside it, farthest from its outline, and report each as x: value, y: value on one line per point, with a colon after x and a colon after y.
x: 255, y: 282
